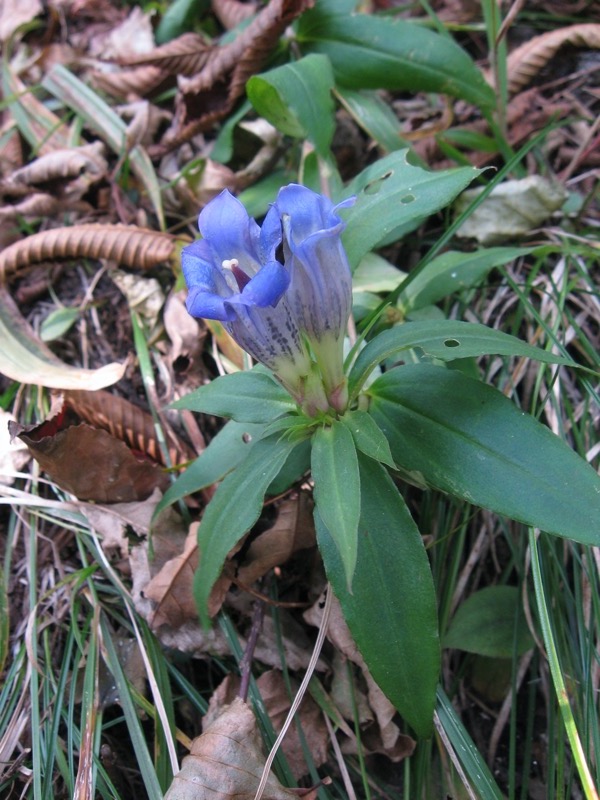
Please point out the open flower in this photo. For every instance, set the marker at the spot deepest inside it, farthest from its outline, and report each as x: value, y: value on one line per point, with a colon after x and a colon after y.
x: 283, y: 290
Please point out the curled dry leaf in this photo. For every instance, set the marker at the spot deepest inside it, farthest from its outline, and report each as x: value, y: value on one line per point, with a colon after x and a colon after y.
x: 65, y: 164
x: 89, y: 462
x: 226, y: 763
x: 185, y: 55
x: 171, y: 589
x: 42, y: 205
x: 14, y: 13
x: 211, y: 94
x: 127, y: 422
x: 293, y: 530
x: 526, y: 61
x: 134, y: 247
x: 132, y: 37
x: 40, y: 126
x: 389, y: 741
x: 231, y: 12
x: 139, y: 81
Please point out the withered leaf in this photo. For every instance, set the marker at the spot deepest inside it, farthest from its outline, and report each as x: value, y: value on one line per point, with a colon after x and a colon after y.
x: 387, y: 739
x: 128, y: 245
x: 226, y: 762
x: 231, y: 12
x: 125, y: 421
x: 185, y: 55
x: 293, y: 530
x: 89, y: 462
x: 171, y: 588
x: 524, y: 63
x: 211, y: 94
x: 63, y: 164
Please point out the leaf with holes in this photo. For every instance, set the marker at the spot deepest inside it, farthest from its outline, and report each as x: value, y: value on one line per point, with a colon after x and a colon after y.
x: 446, y: 340
x: 393, y: 197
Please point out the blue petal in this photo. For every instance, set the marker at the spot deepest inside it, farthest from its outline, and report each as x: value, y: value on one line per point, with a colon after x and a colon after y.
x: 207, y: 305
x: 230, y: 233
x: 266, y: 288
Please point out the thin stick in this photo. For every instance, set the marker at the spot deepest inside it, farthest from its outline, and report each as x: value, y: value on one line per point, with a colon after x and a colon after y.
x: 300, y: 695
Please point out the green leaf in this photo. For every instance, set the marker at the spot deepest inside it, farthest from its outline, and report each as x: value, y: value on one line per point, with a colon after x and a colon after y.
x: 374, y: 116
x: 234, y: 509
x: 178, y: 19
x: 251, y: 396
x: 391, y: 612
x: 58, y: 322
x: 334, y: 466
x: 296, y: 98
x: 446, y: 340
x: 485, y: 624
x: 454, y: 271
x: 368, y: 437
x: 228, y: 448
x: 392, y: 197
x: 466, y: 438
x: 370, y: 52
x: 474, y: 765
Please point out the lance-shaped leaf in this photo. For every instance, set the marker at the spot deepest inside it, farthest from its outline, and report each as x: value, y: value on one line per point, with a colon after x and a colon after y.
x: 296, y: 99
x: 466, y: 438
x: 234, y: 509
x: 391, y: 612
x: 446, y: 340
x: 370, y: 52
x: 335, y: 473
x: 251, y: 396
x: 393, y: 197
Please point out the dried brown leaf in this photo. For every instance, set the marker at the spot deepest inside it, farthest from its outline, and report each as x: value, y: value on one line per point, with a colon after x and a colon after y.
x: 231, y: 12
x: 293, y: 530
x: 388, y: 738
x: 89, y: 462
x: 139, y: 81
x: 134, y: 247
x: 40, y: 125
x: 127, y: 422
x: 276, y: 698
x: 133, y: 37
x: 65, y: 164
x: 185, y: 55
x: 211, y: 94
x: 42, y: 205
x: 171, y: 588
x: 226, y: 762
x: 14, y: 13
x: 526, y: 61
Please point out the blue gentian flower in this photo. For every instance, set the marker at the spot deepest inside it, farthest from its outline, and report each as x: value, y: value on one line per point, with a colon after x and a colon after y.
x: 283, y: 291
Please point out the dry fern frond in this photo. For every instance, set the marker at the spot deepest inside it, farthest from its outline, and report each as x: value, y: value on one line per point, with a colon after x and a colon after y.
x: 526, y: 61
x: 126, y: 422
x: 185, y: 55
x: 133, y: 247
x: 139, y: 81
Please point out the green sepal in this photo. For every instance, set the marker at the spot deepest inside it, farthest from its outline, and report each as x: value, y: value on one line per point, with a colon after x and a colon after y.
x: 446, y: 340
x: 392, y: 610
x: 466, y: 438
x: 334, y: 466
x: 252, y: 396
x: 234, y: 509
